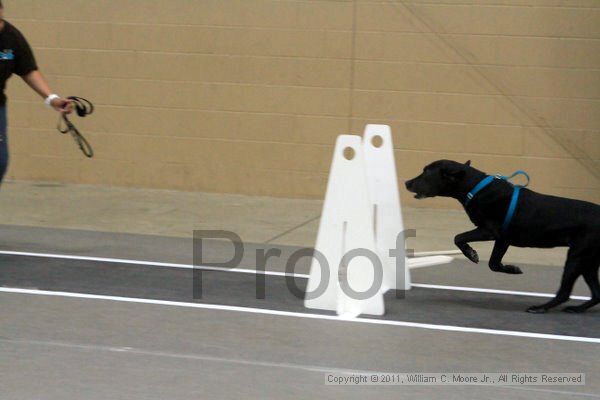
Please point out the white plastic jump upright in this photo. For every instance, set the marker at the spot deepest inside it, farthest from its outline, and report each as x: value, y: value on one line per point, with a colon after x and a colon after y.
x: 385, y: 203
x: 346, y: 224
x: 361, y: 222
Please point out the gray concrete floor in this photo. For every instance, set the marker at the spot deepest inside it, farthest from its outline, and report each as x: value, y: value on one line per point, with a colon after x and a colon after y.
x: 83, y: 349
x: 77, y: 348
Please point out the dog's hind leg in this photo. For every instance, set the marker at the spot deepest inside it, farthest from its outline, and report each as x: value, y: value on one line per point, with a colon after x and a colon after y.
x: 573, y: 269
x: 495, y: 263
x: 476, y: 235
x: 591, y: 278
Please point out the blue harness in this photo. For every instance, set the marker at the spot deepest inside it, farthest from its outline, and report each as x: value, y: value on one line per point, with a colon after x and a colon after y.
x: 513, y: 201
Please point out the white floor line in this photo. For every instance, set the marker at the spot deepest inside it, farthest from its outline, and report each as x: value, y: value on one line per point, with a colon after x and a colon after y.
x: 158, y: 264
x: 195, y: 357
x: 249, y: 310
x: 145, y: 263
x: 438, y: 253
x: 253, y: 271
x: 265, y: 364
x: 493, y: 291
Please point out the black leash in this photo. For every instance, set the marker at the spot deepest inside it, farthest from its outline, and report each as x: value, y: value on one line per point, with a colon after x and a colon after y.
x: 83, y: 108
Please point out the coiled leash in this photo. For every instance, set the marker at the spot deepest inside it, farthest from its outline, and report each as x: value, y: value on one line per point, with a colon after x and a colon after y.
x: 512, y: 207
x: 83, y: 107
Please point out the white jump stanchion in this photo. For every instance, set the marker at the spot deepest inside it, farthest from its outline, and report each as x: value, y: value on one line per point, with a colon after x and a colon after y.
x: 361, y: 212
x: 385, y: 203
x: 346, y: 224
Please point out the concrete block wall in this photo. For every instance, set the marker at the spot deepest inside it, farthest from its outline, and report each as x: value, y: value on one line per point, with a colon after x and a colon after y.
x: 247, y: 96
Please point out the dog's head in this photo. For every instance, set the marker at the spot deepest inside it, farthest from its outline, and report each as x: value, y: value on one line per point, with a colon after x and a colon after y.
x: 440, y: 178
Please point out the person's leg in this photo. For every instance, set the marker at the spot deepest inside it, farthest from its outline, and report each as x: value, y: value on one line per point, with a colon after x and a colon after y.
x: 3, y: 144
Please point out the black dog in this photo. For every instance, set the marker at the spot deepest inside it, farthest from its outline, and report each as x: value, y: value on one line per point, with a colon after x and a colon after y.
x: 539, y: 221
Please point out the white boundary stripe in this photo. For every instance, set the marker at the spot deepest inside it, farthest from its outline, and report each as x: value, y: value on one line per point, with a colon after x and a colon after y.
x: 447, y: 328
x: 195, y: 357
x: 253, y: 271
x: 438, y: 253
x: 157, y: 264
x: 146, y: 263
x: 493, y: 291
x: 266, y: 364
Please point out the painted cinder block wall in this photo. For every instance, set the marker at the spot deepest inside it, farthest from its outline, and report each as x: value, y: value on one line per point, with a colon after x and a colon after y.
x: 247, y: 96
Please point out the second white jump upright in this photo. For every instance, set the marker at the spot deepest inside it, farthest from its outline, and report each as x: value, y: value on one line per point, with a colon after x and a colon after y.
x: 360, y: 250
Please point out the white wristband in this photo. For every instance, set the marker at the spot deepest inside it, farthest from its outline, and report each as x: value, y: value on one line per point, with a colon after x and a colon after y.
x: 50, y: 98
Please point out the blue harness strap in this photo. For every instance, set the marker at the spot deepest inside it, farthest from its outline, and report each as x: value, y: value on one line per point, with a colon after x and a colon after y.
x: 514, y: 199
x: 478, y: 188
x: 517, y: 173
x: 511, y: 208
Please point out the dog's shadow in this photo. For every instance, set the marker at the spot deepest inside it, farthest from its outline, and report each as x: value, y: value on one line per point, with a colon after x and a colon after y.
x: 509, y: 305
x: 509, y: 314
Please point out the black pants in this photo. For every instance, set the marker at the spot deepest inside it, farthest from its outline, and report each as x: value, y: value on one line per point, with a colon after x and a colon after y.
x: 3, y: 144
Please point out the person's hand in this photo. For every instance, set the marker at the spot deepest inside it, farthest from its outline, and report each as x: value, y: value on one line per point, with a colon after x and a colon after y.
x: 64, y: 106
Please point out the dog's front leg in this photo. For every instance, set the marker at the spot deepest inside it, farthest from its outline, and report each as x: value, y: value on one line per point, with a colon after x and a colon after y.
x: 476, y: 235
x: 495, y: 263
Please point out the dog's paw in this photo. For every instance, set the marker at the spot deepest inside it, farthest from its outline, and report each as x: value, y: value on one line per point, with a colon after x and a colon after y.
x: 574, y: 309
x: 537, y: 310
x: 471, y: 254
x: 511, y: 269
x: 506, y: 269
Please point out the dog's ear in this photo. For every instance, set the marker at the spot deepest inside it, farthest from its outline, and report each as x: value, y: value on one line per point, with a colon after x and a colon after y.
x: 468, y: 163
x: 455, y: 171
